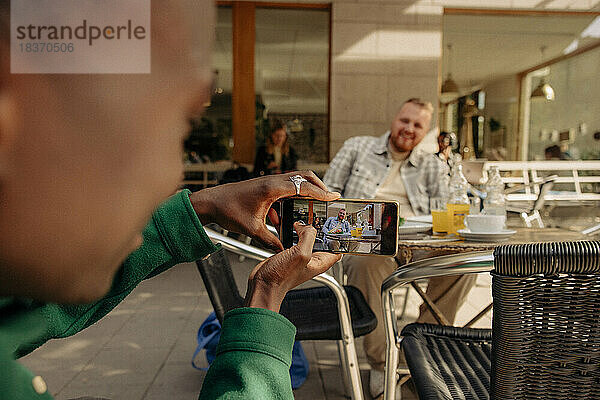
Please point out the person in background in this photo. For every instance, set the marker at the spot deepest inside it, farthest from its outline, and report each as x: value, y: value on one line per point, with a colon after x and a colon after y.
x: 552, y: 153
x: 444, y: 146
x: 277, y: 155
x: 391, y: 167
x: 317, y: 224
x: 337, y: 225
x: 556, y: 153
x: 91, y: 212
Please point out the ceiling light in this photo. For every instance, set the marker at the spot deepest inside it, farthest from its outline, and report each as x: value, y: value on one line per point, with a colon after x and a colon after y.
x: 543, y: 89
x: 450, y: 88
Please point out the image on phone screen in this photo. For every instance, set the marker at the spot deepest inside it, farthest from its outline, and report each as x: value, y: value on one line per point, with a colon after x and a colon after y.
x: 344, y: 226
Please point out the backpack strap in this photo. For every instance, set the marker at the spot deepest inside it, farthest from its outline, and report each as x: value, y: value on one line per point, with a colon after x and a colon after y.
x: 207, y: 331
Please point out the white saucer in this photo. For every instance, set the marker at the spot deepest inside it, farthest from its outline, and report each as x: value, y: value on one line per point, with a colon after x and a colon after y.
x: 409, y: 227
x: 501, y: 236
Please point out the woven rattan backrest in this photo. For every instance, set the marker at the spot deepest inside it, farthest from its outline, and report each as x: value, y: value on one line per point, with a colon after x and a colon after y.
x: 546, y: 322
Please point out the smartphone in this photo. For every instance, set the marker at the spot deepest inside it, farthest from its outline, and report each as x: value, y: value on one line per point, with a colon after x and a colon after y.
x: 361, y: 227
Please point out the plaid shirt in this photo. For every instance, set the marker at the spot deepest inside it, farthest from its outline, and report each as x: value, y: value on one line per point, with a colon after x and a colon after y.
x: 363, y: 163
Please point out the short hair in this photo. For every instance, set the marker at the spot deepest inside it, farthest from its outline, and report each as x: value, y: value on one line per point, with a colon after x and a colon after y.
x: 426, y: 105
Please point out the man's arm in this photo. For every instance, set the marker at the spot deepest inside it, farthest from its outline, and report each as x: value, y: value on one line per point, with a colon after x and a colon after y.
x: 340, y: 168
x: 327, y: 225
x: 346, y: 226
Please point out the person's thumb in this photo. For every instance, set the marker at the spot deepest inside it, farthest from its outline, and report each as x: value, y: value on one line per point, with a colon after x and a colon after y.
x: 268, y: 239
x: 321, y: 262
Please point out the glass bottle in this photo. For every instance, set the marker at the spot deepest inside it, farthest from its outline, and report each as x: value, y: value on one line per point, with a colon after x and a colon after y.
x: 438, y: 205
x: 494, y: 202
x: 458, y: 202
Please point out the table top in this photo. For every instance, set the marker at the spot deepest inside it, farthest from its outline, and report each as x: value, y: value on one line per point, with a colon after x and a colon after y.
x: 523, y: 235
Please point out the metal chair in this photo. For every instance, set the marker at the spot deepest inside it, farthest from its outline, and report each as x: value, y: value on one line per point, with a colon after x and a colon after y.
x: 545, y: 336
x: 329, y: 312
x: 532, y: 212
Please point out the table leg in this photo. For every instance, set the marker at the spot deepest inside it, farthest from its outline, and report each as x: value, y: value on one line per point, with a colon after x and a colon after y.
x: 478, y: 316
x: 435, y: 311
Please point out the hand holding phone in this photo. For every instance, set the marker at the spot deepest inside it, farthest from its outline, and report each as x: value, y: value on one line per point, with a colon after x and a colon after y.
x: 361, y: 227
x: 270, y: 280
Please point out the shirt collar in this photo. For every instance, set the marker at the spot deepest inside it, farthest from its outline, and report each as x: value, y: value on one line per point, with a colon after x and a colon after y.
x: 381, y: 144
x: 415, y: 157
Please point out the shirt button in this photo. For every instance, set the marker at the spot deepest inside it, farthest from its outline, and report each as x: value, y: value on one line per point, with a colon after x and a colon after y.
x: 39, y: 385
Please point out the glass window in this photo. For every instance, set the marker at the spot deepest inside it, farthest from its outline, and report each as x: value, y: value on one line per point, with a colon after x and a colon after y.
x: 292, y: 78
x: 210, y: 137
x: 566, y: 126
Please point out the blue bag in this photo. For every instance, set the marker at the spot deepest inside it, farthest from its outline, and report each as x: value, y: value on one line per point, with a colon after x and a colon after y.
x: 209, y: 334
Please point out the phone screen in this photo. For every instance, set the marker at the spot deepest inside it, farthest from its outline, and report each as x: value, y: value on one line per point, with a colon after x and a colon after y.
x: 344, y: 226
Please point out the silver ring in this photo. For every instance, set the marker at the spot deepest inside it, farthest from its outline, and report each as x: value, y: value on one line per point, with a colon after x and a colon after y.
x: 297, y: 180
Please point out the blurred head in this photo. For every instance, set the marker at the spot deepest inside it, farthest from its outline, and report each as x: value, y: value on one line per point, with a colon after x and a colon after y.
x: 443, y: 140
x: 85, y: 159
x: 278, y: 137
x: 410, y: 125
x: 341, y: 214
x: 552, y: 153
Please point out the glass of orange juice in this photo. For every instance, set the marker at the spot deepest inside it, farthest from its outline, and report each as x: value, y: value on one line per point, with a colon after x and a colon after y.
x: 456, y: 216
x: 439, y: 215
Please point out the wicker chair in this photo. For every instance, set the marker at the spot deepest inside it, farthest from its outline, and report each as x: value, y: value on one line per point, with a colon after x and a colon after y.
x: 545, y: 336
x: 329, y: 312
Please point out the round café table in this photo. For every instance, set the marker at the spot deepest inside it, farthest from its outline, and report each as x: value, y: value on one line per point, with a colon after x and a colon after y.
x: 523, y: 235
x: 432, y: 248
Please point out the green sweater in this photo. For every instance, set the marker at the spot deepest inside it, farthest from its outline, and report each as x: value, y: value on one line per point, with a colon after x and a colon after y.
x: 253, y: 356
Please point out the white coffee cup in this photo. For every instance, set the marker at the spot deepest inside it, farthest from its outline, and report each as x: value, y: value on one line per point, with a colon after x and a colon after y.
x: 481, y: 223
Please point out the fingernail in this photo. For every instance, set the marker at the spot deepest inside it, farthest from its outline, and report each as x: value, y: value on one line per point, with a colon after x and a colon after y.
x: 300, y: 222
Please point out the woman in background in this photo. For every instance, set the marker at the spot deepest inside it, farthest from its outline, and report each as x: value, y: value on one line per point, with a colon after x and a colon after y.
x: 277, y: 156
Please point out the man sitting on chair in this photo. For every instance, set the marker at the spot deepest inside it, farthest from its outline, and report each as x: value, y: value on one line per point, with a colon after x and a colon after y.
x: 336, y: 225
x: 391, y: 167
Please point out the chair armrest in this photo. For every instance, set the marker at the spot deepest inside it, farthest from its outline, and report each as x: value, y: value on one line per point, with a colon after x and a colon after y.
x: 516, y: 188
x: 257, y: 254
x: 455, y: 264
x: 591, y: 230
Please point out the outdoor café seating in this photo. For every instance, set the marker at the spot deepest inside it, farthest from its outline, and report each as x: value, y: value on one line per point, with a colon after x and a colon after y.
x: 544, y: 340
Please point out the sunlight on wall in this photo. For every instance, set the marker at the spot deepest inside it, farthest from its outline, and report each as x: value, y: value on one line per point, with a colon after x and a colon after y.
x: 388, y: 44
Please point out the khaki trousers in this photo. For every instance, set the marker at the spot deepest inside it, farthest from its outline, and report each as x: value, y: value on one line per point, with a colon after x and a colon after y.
x: 367, y: 274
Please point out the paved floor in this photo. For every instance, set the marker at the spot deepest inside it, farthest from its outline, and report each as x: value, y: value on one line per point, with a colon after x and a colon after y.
x: 142, y: 350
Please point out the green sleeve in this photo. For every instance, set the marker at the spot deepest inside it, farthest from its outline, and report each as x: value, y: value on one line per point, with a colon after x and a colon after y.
x: 254, y: 356
x: 174, y: 235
